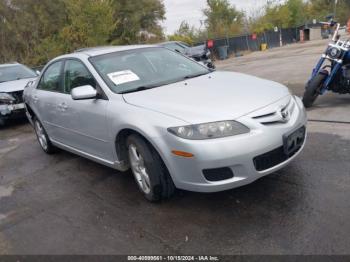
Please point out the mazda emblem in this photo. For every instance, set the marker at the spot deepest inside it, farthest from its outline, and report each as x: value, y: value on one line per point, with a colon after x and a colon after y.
x: 285, y: 115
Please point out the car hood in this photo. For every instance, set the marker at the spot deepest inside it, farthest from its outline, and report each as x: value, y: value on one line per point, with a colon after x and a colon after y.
x: 13, y: 86
x: 196, y: 50
x: 213, y: 97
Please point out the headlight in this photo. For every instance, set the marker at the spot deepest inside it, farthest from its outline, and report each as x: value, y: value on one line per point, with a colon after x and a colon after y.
x: 209, y: 130
x: 334, y: 52
x: 6, y: 98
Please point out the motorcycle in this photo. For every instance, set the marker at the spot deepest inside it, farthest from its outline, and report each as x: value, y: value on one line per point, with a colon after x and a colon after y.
x: 332, y: 72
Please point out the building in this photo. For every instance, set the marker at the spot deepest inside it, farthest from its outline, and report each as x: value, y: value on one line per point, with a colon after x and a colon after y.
x: 314, y: 31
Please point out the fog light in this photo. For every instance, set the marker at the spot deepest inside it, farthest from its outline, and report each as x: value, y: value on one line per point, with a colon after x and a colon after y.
x: 218, y: 174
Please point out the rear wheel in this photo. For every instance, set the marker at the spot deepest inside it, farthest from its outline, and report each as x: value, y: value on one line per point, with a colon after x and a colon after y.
x: 150, y: 173
x: 43, y: 138
x: 313, y: 90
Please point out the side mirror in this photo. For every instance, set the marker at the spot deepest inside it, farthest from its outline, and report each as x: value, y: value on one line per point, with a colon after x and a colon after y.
x: 84, y: 92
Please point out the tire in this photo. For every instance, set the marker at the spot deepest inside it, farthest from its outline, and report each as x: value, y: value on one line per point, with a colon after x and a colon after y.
x: 150, y: 172
x: 43, y: 138
x: 211, y: 66
x: 313, y: 90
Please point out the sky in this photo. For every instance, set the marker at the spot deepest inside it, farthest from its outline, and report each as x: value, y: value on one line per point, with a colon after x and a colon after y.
x: 191, y: 11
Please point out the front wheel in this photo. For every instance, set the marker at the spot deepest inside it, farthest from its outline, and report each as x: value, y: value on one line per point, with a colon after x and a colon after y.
x: 151, y: 174
x: 313, y: 90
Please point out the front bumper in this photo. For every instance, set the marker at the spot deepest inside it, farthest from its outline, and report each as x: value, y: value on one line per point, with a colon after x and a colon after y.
x: 12, y: 111
x: 237, y: 153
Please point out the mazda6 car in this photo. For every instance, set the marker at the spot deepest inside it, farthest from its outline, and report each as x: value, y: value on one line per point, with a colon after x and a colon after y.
x: 172, y: 121
x: 13, y: 78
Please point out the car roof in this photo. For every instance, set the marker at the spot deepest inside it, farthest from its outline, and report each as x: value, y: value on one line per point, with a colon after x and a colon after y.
x: 170, y: 42
x: 9, y: 64
x: 101, y: 50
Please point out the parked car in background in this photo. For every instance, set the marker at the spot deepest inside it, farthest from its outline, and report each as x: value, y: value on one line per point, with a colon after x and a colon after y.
x: 38, y: 69
x: 13, y: 78
x: 173, y: 121
x: 199, y: 53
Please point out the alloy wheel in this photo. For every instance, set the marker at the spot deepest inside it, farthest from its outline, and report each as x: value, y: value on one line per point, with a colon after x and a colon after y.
x: 139, y: 169
x: 41, y: 135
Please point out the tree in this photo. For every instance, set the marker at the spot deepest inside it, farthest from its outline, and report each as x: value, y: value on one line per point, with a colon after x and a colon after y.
x: 298, y: 12
x: 25, y: 23
x: 6, y: 40
x: 90, y: 23
x: 185, y: 33
x: 319, y: 9
x: 222, y: 18
x: 35, y: 31
x: 137, y: 20
x: 291, y: 13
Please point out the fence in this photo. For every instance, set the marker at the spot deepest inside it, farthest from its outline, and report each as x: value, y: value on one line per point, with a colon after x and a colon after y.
x: 243, y: 43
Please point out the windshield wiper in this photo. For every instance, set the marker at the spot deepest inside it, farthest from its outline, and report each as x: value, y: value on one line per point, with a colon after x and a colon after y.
x: 195, y: 75
x: 140, y: 88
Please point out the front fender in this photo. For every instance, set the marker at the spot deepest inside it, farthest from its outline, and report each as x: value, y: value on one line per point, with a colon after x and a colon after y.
x: 150, y: 124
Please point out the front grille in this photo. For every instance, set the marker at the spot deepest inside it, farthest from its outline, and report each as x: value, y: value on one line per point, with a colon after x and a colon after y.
x: 18, y: 95
x: 292, y: 144
x: 276, y: 117
x: 218, y: 174
x: 270, y: 159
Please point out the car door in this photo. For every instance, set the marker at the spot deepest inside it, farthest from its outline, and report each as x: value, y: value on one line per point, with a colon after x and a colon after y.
x: 83, y: 123
x: 44, y: 97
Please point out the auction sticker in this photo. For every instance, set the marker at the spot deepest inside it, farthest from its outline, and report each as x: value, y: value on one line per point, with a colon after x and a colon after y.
x: 122, y: 77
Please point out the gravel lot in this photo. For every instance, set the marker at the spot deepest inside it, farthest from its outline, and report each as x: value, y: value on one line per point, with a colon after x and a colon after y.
x: 64, y: 204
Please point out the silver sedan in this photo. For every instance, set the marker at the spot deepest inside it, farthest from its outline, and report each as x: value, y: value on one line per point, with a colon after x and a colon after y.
x: 13, y: 78
x: 172, y: 121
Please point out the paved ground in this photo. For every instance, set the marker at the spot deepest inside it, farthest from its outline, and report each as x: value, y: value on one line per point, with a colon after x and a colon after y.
x: 64, y: 204
x: 292, y: 65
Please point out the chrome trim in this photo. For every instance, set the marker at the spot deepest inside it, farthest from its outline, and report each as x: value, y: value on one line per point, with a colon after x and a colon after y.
x: 280, y: 115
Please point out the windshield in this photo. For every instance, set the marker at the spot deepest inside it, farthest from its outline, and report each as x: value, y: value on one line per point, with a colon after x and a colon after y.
x: 15, y: 72
x: 144, y: 68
